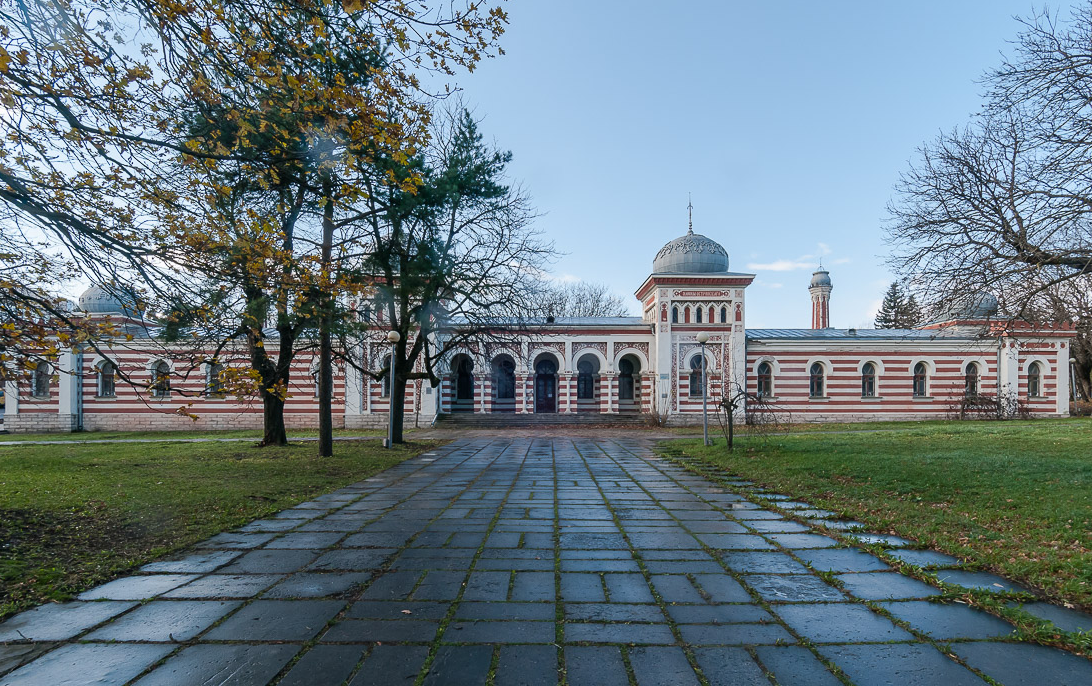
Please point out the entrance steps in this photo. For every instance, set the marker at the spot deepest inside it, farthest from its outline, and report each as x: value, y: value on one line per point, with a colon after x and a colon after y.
x: 499, y: 420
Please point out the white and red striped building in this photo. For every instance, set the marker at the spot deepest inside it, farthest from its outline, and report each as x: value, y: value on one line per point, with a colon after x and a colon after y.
x: 650, y: 364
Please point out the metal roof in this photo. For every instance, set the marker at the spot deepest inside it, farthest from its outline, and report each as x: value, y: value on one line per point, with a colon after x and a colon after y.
x: 868, y: 334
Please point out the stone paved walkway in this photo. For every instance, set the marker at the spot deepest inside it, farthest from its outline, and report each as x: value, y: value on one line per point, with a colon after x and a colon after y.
x: 522, y: 561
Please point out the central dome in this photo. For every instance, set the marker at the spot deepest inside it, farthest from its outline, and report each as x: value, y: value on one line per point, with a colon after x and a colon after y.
x: 691, y: 254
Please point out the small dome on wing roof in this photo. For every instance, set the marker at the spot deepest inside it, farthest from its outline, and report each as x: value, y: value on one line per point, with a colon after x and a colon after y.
x: 691, y: 254
x: 100, y: 300
x: 980, y: 305
x: 820, y: 278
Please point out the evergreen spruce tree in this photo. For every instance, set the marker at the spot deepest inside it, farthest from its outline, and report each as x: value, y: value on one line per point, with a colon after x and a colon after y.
x: 898, y: 311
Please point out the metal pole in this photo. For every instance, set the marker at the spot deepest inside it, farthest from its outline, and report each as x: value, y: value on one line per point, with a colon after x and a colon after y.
x: 704, y: 395
x: 390, y: 402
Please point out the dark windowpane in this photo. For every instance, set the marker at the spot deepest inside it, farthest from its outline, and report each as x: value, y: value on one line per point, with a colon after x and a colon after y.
x: 817, y: 380
x: 765, y: 380
x: 868, y: 380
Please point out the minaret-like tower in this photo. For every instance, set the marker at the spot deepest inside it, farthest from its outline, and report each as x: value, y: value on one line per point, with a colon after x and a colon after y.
x: 820, y: 298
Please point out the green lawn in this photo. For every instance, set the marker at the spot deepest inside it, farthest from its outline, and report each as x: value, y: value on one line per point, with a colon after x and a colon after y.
x: 176, y: 435
x: 1011, y: 497
x: 75, y: 516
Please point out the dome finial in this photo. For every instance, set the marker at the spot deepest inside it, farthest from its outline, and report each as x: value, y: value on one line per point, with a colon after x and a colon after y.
x: 690, y: 208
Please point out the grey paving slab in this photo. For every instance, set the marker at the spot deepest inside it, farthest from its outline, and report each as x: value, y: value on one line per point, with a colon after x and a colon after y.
x: 729, y: 667
x: 739, y: 613
x: 886, y: 540
x: 613, y: 612
x: 662, y: 666
x: 324, y: 664
x: 527, y: 666
x: 981, y: 580
x: 137, y: 587
x: 840, y: 623
x: 762, y: 562
x: 270, y: 562
x: 499, y: 632
x: 886, y: 586
x: 592, y: 632
x: 276, y: 620
x: 460, y: 665
x: 382, y: 631
x: 193, y: 563
x: 60, y: 621
x: 391, y: 666
x: 79, y: 664
x: 595, y: 666
x: 230, y: 665
x: 311, y: 585
x: 899, y: 664
x: 735, y: 634
x: 795, y: 666
x: 841, y: 560
x: 925, y: 558
x: 226, y: 586
x: 949, y: 620
x: 793, y: 588
x: 510, y: 611
x: 1025, y: 665
x: 165, y: 621
x: 1064, y: 619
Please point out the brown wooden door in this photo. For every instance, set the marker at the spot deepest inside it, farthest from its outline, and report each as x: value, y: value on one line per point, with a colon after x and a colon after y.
x: 546, y: 386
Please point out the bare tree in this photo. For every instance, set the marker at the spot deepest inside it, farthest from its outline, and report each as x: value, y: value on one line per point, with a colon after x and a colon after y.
x: 578, y: 299
x: 1004, y: 204
x: 451, y: 258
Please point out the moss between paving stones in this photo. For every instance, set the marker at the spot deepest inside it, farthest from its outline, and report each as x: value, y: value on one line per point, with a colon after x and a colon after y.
x: 1010, y: 497
x: 74, y: 516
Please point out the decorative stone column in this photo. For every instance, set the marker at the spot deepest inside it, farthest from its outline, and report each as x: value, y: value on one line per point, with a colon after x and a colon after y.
x: 609, y: 382
x: 479, y: 393
x: 566, y: 391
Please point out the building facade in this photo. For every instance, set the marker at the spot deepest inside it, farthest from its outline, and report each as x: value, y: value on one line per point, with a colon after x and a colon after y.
x: 652, y: 364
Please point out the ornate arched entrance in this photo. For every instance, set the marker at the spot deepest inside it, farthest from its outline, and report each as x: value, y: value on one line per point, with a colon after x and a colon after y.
x: 546, y: 384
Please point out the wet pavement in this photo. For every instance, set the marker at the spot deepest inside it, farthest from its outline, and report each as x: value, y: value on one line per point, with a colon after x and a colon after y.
x: 528, y: 560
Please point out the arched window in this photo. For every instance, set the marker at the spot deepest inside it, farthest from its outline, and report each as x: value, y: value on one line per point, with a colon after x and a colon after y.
x: 385, y: 382
x: 366, y: 314
x: 625, y: 380
x: 696, y: 389
x: 464, y: 379
x: 697, y: 315
x: 1035, y: 380
x: 921, y: 375
x: 161, y: 380
x: 817, y: 386
x: 724, y: 315
x: 765, y: 380
x: 504, y: 378
x: 686, y: 314
x: 971, y: 380
x: 868, y: 380
x: 585, y: 380
x: 105, y: 383
x: 214, y: 382
x: 712, y: 314
x: 674, y: 315
x: 39, y: 380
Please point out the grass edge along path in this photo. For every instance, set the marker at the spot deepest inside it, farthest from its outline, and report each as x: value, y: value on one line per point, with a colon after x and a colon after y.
x: 1012, y: 499
x: 75, y: 516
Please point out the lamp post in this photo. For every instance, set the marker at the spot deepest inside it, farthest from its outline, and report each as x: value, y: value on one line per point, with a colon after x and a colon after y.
x: 703, y: 338
x: 393, y: 337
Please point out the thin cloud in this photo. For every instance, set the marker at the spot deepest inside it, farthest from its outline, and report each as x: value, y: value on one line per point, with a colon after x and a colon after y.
x: 783, y: 265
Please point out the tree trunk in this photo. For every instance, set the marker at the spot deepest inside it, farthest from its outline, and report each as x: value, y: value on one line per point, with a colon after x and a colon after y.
x: 731, y: 429
x: 326, y: 372
x: 398, y: 404
x: 273, y: 432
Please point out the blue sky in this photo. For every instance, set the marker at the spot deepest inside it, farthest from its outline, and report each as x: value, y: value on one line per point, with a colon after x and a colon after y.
x: 789, y: 122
